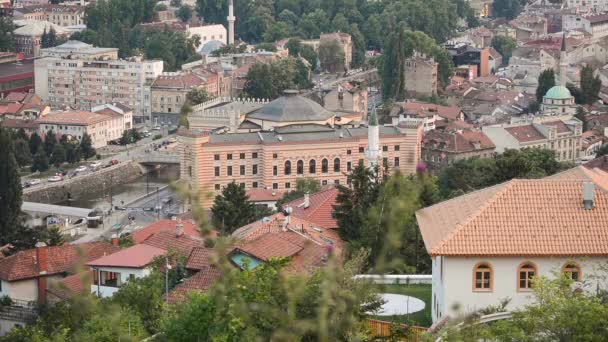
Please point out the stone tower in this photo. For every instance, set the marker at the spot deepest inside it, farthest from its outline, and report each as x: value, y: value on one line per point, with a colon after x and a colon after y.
x: 373, y: 140
x: 231, y: 20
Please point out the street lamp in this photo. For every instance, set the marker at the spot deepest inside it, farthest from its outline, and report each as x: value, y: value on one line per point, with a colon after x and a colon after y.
x: 167, y: 269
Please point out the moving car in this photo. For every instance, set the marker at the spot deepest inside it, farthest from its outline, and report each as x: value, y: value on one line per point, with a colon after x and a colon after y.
x: 81, y: 168
x: 96, y: 165
x: 55, y: 179
x: 33, y: 182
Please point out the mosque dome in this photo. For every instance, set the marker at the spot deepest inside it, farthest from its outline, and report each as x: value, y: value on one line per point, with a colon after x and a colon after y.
x: 558, y: 93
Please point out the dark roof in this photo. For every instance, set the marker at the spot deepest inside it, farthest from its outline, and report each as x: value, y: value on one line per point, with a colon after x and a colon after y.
x: 291, y: 108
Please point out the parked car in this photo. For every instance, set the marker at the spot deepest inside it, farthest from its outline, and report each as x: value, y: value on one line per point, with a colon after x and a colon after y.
x: 173, y: 140
x: 81, y: 168
x: 147, y: 134
x: 156, y: 128
x: 55, y: 179
x: 96, y: 165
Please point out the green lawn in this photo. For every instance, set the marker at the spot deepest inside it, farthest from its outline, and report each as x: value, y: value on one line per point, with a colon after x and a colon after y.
x: 422, y: 292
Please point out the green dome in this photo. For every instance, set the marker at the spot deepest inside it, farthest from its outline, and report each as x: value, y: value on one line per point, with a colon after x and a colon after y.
x: 558, y: 93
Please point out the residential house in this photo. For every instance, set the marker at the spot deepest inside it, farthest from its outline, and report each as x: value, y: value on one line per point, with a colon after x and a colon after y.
x: 349, y: 99
x: 561, y: 135
x: 591, y: 142
x: 463, y: 54
x: 426, y: 114
x: 490, y: 244
x: 441, y: 149
x: 265, y: 197
x: 529, y: 27
x: 187, y: 227
x: 316, y: 208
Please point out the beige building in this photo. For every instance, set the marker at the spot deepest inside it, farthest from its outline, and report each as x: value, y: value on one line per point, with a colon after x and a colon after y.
x: 169, y: 90
x: 345, y: 41
x: 561, y: 135
x: 348, y: 99
x: 28, y: 36
x: 103, y: 126
x: 441, y: 149
x: 60, y: 15
x: 87, y: 76
x: 420, y: 75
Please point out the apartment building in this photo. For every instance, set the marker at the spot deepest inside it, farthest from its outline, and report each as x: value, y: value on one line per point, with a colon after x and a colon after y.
x: 561, y: 135
x: 81, y: 76
x: 60, y: 15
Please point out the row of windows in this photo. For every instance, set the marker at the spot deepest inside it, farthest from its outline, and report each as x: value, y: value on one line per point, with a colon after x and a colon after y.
x: 275, y: 186
x: 242, y: 171
x: 254, y: 155
x: 483, y: 275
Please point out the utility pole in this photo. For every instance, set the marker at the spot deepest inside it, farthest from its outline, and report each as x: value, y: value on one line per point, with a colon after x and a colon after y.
x: 167, y: 268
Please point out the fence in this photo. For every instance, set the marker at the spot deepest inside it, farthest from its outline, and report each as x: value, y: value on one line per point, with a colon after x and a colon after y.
x: 397, y: 278
x: 407, y: 333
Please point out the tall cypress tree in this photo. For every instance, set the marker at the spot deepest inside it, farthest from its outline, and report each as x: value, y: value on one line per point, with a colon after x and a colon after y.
x: 10, y: 189
x: 34, y: 142
x: 49, y: 142
x: 546, y: 81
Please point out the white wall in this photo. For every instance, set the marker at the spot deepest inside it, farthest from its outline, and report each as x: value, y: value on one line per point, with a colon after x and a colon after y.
x: 501, y: 138
x: 108, y: 291
x: 21, y: 290
x: 455, y: 291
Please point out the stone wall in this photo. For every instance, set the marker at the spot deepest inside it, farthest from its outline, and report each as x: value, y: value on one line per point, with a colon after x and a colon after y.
x: 99, y: 181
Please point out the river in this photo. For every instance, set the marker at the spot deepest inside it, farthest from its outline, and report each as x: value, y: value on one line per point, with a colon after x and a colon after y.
x: 128, y: 192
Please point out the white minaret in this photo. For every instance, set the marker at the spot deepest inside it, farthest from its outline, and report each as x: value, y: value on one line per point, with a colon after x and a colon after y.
x: 373, y: 140
x: 563, y: 62
x: 231, y: 19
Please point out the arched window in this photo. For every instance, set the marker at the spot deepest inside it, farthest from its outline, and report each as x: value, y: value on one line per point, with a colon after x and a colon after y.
x: 312, y: 166
x: 300, y: 167
x: 337, y: 165
x: 525, y: 273
x: 324, y: 166
x: 482, y: 277
x: 288, y: 167
x: 572, y: 271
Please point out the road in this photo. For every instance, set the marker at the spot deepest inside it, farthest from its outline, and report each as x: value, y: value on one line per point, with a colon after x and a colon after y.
x: 116, y: 152
x: 136, y: 210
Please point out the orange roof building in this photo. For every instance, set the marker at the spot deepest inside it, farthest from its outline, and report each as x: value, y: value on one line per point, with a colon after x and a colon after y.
x: 490, y: 244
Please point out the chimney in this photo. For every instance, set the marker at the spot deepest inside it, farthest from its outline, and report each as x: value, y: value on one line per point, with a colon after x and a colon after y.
x: 114, y: 239
x: 41, y: 262
x: 588, y: 195
x: 179, y: 230
x: 306, y: 200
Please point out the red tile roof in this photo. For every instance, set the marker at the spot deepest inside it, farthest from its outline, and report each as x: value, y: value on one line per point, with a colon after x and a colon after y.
x: 182, y: 80
x: 521, y: 217
x: 559, y: 124
x: 525, y: 133
x: 138, y: 256
x: 199, y: 258
x: 457, y: 142
x: 181, y: 245
x: 70, y: 286
x: 320, y: 211
x: 201, y: 281
x: 264, y: 195
x: 447, y: 112
x: 165, y: 226
x: 60, y: 259
x: 14, y: 97
x: 74, y: 117
x: 270, y: 245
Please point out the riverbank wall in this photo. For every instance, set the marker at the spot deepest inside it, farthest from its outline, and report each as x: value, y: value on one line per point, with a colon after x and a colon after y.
x: 96, y: 182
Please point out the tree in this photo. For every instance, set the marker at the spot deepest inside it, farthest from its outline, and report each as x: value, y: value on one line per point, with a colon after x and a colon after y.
x: 232, y: 209
x: 22, y: 152
x: 34, y: 142
x: 546, y: 81
x: 303, y: 185
x: 506, y: 8
x: 10, y: 189
x: 55, y: 237
x: 7, y: 37
x: 268, y: 81
x: 505, y: 46
x: 126, y: 138
x: 50, y: 140
x: 331, y: 56
x: 184, y: 13
x: 176, y: 3
x: 590, y: 85
x: 197, y: 96
x: 58, y: 156
x: 73, y: 153
x: 353, y: 203
x: 145, y: 297
x: 581, y: 114
x: 293, y: 46
x: 86, y: 146
x: 160, y: 8
x: 41, y: 161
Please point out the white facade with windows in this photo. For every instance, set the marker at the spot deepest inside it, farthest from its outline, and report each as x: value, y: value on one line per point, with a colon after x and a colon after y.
x: 459, y: 286
x: 112, y: 278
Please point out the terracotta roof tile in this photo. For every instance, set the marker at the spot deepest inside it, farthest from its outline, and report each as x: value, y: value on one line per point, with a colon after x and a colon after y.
x: 60, y: 259
x: 72, y: 285
x: 525, y: 133
x: 164, y: 226
x: 457, y: 142
x: 263, y: 195
x: 201, y: 281
x: 270, y: 245
x: 138, y: 256
x: 73, y: 117
x: 182, y: 245
x: 520, y: 217
x: 199, y: 258
x: 446, y: 112
x: 320, y: 210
